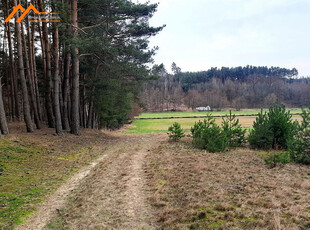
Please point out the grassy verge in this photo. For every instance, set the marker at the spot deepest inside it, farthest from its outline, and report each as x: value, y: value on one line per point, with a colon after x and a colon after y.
x: 32, y: 166
x: 20, y: 181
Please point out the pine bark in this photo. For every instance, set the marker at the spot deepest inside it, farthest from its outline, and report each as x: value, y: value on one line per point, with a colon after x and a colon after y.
x: 65, y: 117
x: 90, y: 115
x: 48, y: 73
x: 34, y: 68
x: 13, y: 79
x: 3, y: 121
x: 10, y: 74
x: 75, y: 120
x: 57, y: 83
x: 29, y: 74
x: 26, y: 105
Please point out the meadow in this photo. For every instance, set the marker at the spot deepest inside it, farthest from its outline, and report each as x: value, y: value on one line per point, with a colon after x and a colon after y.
x: 148, y: 122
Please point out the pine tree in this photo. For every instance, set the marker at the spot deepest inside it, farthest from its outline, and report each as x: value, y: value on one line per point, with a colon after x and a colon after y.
x: 75, y: 100
x: 58, y: 123
x: 26, y: 105
x: 208, y: 135
x: 299, y: 146
x: 175, y: 132
x: 46, y: 50
x: 233, y: 130
x: 274, y: 129
x: 261, y: 136
x: 113, y: 36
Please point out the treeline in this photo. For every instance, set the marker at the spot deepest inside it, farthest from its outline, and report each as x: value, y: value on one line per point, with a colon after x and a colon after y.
x: 240, y: 87
x: 242, y: 74
x: 83, y: 71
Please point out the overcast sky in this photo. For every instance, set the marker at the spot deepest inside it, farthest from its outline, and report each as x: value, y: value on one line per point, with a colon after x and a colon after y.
x: 207, y: 33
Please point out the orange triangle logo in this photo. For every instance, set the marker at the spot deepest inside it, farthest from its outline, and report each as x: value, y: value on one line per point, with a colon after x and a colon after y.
x: 25, y: 12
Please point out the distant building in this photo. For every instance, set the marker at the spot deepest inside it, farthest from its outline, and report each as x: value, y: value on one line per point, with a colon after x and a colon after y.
x: 208, y: 108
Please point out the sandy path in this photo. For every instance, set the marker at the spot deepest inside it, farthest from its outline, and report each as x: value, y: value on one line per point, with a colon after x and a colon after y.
x: 111, y: 193
x: 137, y: 208
x: 115, y: 195
x: 57, y: 200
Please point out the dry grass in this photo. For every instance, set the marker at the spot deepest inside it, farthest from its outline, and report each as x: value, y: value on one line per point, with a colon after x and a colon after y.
x: 193, y: 189
x: 146, y: 182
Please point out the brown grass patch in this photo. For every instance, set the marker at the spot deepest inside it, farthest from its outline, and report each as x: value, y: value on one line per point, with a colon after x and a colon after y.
x: 194, y: 189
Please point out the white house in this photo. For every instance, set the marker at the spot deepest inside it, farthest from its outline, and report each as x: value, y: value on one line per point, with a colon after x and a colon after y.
x: 208, y: 108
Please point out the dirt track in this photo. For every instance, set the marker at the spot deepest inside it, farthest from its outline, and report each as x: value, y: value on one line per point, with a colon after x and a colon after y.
x: 144, y: 182
x: 109, y: 193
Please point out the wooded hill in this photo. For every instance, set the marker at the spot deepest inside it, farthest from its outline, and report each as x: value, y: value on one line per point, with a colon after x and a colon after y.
x: 83, y: 71
x: 239, y: 87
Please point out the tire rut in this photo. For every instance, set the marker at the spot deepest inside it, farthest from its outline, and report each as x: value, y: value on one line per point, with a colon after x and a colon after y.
x: 111, y: 193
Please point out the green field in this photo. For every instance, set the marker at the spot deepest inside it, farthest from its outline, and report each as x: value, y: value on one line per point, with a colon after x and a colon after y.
x: 215, y: 113
x: 161, y: 125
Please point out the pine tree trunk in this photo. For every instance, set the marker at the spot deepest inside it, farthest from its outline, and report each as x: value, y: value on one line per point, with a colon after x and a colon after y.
x: 14, y: 96
x: 26, y: 106
x: 75, y: 120
x: 91, y: 103
x: 11, y: 73
x: 3, y: 121
x: 57, y: 83
x: 8, y: 93
x: 65, y: 117
x: 30, y: 81
x: 84, y: 120
x: 45, y: 116
x: 90, y: 115
x: 34, y: 67
x: 48, y: 76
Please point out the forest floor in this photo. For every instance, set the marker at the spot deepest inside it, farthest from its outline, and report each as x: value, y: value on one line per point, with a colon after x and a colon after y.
x: 146, y: 182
